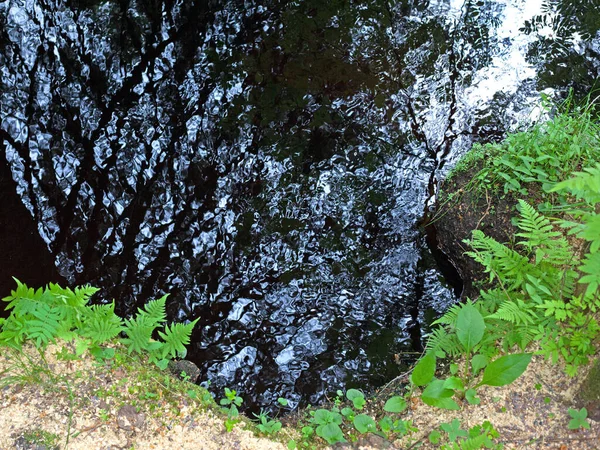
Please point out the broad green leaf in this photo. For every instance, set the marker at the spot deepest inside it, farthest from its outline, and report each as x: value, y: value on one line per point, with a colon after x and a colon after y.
x: 364, y: 423
x: 469, y: 326
x: 454, y: 383
x: 471, y: 397
x: 396, y: 404
x: 478, y: 362
x: 437, y: 395
x: 424, y: 370
x: 331, y: 432
x: 505, y: 369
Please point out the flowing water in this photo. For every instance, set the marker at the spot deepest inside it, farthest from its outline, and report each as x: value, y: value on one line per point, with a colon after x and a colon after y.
x: 269, y: 163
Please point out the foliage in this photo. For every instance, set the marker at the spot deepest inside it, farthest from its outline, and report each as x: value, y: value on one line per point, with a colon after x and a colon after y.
x: 546, y: 154
x: 538, y: 296
x: 451, y: 436
x: 465, y: 328
x: 266, y: 425
x: 233, y: 401
x: 578, y: 419
x: 44, y: 315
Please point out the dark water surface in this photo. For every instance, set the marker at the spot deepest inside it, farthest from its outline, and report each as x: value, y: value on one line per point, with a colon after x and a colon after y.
x: 267, y: 163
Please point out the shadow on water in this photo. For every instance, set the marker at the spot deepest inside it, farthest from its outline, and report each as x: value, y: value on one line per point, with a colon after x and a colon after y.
x: 269, y: 164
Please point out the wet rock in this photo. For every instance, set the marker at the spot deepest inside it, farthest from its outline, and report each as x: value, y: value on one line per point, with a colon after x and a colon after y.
x: 129, y: 419
x: 191, y: 370
x: 461, y: 210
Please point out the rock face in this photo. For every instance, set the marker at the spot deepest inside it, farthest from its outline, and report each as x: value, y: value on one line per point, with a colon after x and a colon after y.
x: 461, y: 210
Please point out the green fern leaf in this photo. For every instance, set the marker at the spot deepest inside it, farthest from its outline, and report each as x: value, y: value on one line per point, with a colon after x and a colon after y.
x: 591, y: 266
x: 154, y: 312
x: 175, y: 338
x: 515, y: 311
x: 139, y: 333
x: 100, y: 323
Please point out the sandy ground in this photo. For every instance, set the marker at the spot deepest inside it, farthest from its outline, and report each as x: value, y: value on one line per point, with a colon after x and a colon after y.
x: 27, y: 407
x: 529, y: 414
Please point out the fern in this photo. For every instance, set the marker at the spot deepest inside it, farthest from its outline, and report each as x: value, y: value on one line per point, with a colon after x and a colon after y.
x: 537, y: 229
x: 100, y: 323
x: 176, y: 338
x: 498, y: 260
x: 516, y: 312
x: 154, y: 312
x: 139, y: 334
x: 46, y: 314
x: 591, y: 267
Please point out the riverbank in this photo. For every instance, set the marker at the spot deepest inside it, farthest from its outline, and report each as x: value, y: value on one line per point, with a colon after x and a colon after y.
x: 537, y: 302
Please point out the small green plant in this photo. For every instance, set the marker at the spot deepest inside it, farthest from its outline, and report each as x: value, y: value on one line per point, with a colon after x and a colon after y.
x: 41, y: 438
x: 233, y: 401
x: 451, y: 436
x: 266, y: 425
x: 463, y: 334
x: 104, y: 415
x: 357, y: 398
x: 327, y: 425
x: 578, y: 419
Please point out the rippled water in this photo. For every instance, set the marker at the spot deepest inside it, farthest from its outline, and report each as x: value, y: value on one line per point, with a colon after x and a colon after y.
x: 269, y: 164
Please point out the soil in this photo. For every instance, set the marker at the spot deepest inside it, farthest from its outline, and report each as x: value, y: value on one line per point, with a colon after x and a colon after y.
x: 100, y: 407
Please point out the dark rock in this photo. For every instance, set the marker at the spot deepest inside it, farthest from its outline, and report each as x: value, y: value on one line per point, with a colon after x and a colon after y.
x: 462, y: 209
x: 589, y: 393
x: 191, y: 370
x: 129, y: 419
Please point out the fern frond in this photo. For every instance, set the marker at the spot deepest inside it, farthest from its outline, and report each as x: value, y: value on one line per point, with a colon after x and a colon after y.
x: 100, y: 323
x: 139, y: 333
x: 449, y: 317
x: 498, y: 260
x: 583, y: 185
x: 591, y: 267
x: 516, y: 312
x: 537, y: 229
x: 175, y: 338
x: 154, y: 311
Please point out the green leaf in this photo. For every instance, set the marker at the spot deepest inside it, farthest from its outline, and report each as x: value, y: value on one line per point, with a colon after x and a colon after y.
x: 454, y: 383
x: 176, y: 337
x: 478, y: 362
x: 424, y: 370
x: 396, y: 404
x: 469, y: 326
x: 435, y: 436
x: 331, y: 432
x: 578, y: 419
x: 471, y: 397
x: 437, y: 395
x: 386, y: 424
x: 356, y: 397
x: 364, y: 423
x: 162, y: 364
x: 454, y: 430
x: 505, y: 369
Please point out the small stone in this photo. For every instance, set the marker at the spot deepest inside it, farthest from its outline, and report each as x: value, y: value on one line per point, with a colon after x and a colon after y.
x: 129, y: 419
x: 191, y: 370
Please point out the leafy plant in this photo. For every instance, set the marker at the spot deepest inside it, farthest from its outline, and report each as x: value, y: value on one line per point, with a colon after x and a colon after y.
x: 328, y: 425
x: 357, y: 398
x: 44, y: 315
x: 451, y: 436
x: 266, y: 425
x: 465, y: 329
x: 578, y: 419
